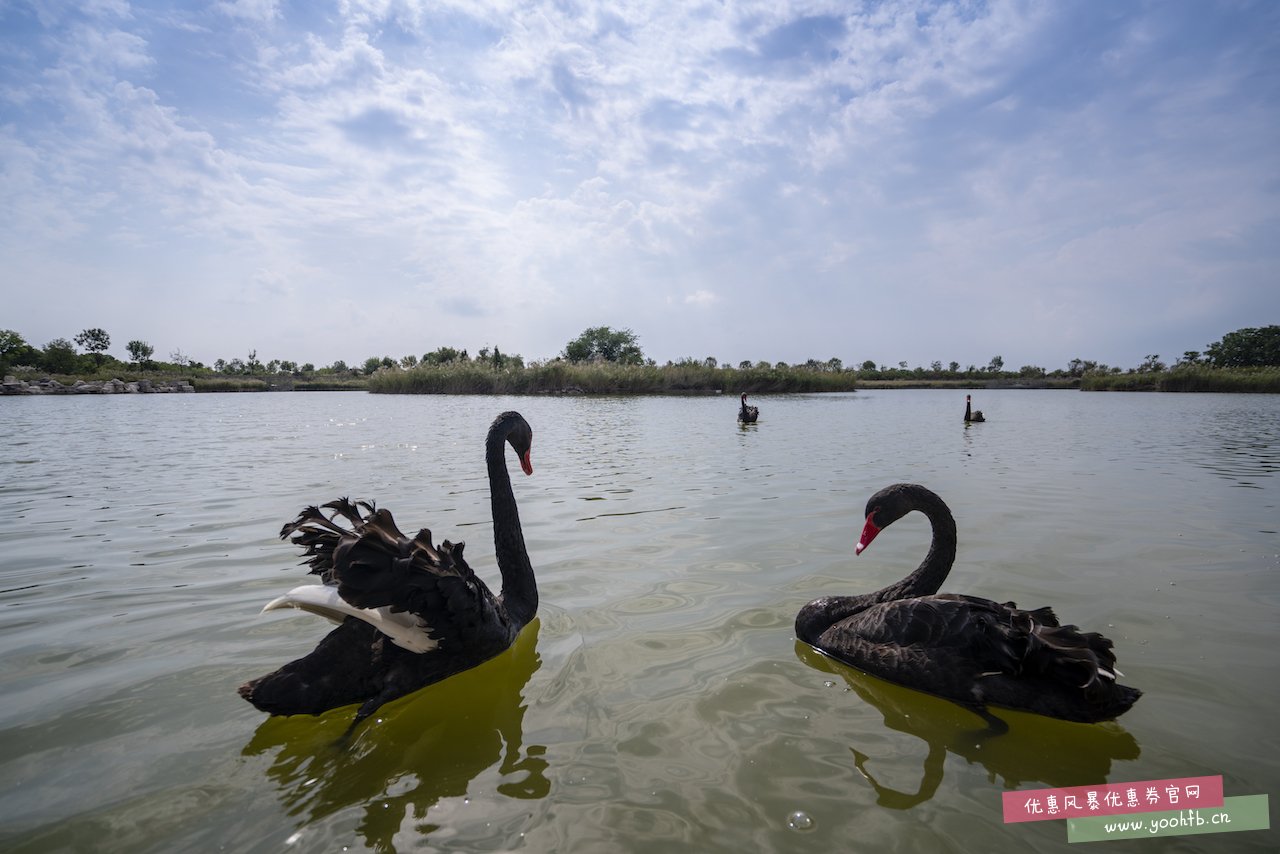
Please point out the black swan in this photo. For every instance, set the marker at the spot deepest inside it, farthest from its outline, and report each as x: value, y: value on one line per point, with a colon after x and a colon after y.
x: 409, y: 613
x: 973, y: 651
x: 970, y: 416
x: 747, y: 414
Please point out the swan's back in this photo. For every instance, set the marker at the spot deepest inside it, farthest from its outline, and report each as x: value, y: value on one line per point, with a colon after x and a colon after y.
x: 978, y: 652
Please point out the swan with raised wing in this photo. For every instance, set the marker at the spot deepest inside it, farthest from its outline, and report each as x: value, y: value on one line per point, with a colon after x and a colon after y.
x: 409, y: 612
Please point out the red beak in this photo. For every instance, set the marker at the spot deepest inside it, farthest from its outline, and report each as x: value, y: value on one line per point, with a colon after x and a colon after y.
x: 869, y: 532
x: 526, y: 463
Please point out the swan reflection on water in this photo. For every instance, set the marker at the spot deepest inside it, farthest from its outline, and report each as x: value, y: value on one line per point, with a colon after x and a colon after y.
x: 421, y: 749
x: 1035, y: 749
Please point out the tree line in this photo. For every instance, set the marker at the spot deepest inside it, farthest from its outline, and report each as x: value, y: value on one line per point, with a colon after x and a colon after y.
x: 1243, y: 348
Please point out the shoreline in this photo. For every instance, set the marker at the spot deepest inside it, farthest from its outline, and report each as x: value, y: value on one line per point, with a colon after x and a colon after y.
x: 1228, y: 382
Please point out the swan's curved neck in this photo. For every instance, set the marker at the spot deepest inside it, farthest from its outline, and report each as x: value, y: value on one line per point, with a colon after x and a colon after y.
x: 519, y: 588
x: 936, y: 566
x: 821, y: 614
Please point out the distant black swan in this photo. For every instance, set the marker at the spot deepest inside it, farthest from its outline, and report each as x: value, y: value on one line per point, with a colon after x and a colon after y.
x: 973, y: 651
x: 747, y: 414
x: 971, y: 416
x: 409, y: 613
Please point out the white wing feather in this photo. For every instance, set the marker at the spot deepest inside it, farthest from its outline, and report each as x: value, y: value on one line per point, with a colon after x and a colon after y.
x: 406, y: 630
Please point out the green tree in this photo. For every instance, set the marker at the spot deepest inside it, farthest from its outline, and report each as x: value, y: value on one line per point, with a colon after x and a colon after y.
x: 1151, y: 364
x: 443, y: 356
x: 1246, y: 348
x: 997, y: 364
x: 499, y: 360
x: 59, y: 357
x: 14, y: 350
x: 610, y: 345
x: 140, y: 351
x: 1189, y: 357
x: 96, y: 341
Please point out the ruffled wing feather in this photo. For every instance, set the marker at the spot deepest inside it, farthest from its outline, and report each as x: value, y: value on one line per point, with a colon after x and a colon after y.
x: 375, y: 566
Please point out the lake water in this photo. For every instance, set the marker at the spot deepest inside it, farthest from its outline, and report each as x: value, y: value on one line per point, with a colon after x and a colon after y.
x: 660, y: 703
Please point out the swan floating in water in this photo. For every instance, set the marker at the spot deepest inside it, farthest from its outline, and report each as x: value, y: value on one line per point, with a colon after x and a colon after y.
x: 973, y: 651
x: 747, y: 414
x: 409, y: 613
x: 971, y: 416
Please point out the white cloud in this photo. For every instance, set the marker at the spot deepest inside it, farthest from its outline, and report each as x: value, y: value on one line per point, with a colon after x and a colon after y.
x: 258, y: 11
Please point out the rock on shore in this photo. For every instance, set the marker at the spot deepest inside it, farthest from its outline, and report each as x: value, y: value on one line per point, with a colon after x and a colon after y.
x: 48, y: 386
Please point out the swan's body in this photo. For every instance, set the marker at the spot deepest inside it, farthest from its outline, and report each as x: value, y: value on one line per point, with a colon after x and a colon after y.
x: 747, y: 414
x: 409, y: 613
x: 970, y: 414
x: 970, y: 650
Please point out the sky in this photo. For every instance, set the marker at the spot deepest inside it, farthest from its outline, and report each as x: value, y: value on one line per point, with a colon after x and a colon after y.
x: 764, y: 181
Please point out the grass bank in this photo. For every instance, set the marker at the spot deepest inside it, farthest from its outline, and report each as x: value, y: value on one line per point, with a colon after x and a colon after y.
x: 1189, y: 378
x: 1043, y: 382
x: 561, y: 377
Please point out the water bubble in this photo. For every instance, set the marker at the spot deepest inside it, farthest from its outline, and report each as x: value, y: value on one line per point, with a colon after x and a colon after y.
x: 829, y: 684
x: 800, y: 820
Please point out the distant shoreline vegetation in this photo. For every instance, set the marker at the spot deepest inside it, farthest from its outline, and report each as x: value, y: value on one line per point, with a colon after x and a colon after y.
x: 607, y: 361
x: 1189, y: 378
x: 562, y: 377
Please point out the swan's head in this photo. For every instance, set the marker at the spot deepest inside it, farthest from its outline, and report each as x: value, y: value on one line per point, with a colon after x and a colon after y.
x: 519, y: 436
x: 888, y: 506
x: 744, y: 397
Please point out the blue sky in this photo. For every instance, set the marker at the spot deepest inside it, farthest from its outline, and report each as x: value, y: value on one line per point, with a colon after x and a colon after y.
x: 896, y: 181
